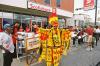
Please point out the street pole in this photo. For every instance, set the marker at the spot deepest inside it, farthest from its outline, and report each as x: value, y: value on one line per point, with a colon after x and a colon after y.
x: 95, y: 11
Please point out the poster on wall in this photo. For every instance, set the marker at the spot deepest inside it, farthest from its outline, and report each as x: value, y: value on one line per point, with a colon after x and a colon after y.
x: 88, y: 4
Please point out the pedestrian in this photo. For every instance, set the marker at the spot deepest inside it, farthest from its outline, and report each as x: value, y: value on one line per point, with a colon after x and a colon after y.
x: 74, y: 36
x: 96, y: 34
x: 80, y: 38
x: 14, y: 37
x: 89, y: 31
x: 7, y: 46
x: 1, y: 27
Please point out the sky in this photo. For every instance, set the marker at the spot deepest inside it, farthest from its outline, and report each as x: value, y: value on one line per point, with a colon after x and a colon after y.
x: 79, y: 4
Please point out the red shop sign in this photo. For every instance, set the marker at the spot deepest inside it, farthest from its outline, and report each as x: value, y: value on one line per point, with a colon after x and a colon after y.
x: 38, y: 7
x: 88, y: 4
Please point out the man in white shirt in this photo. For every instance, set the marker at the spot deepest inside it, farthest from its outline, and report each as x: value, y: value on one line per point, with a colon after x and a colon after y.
x: 74, y: 35
x: 6, y: 44
x: 96, y: 34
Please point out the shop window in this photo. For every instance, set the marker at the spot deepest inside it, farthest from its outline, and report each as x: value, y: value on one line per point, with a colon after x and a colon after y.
x: 29, y: 20
x: 23, y: 20
x: 7, y: 18
x: 58, y: 3
x: 47, y: 2
x: 7, y: 21
x: 17, y: 19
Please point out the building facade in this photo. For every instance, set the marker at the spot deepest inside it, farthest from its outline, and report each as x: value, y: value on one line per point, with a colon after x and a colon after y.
x: 35, y: 11
x: 81, y: 20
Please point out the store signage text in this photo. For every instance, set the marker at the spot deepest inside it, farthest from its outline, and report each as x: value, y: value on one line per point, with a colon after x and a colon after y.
x: 38, y: 7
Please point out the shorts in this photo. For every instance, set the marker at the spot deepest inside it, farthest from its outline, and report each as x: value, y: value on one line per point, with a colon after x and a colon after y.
x: 90, y: 38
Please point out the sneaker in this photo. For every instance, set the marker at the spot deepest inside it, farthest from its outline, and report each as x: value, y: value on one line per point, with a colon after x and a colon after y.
x: 91, y: 48
x: 73, y: 45
x: 88, y: 49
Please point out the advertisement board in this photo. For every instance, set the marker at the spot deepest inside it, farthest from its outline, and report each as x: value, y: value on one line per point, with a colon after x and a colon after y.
x: 88, y: 4
x: 32, y: 41
x: 31, y: 44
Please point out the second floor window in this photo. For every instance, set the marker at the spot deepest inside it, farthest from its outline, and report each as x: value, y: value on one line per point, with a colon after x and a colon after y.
x: 58, y: 3
x: 47, y: 2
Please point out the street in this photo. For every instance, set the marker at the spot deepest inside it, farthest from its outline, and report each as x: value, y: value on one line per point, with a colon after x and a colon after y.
x: 77, y: 56
x: 81, y: 57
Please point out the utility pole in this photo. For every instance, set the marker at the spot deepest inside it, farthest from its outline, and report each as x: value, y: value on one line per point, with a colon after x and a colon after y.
x: 95, y: 11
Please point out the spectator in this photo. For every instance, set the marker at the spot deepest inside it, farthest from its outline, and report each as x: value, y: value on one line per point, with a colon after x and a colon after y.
x: 96, y: 34
x: 21, y: 29
x: 14, y: 36
x: 6, y: 44
x: 80, y: 38
x: 15, y: 27
x: 35, y: 28
x: 74, y: 36
x: 1, y: 27
x: 27, y: 29
x: 89, y: 31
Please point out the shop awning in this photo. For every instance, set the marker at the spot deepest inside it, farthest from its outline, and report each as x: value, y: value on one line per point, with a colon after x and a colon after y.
x: 12, y: 9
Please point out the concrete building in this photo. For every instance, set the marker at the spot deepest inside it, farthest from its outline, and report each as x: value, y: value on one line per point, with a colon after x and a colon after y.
x: 81, y: 19
x: 24, y: 11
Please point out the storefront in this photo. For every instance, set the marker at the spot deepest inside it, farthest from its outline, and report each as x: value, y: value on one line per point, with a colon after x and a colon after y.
x: 30, y: 12
x: 11, y: 15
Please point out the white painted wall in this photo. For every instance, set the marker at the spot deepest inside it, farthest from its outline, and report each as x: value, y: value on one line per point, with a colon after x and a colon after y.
x: 64, y: 13
x: 17, y: 3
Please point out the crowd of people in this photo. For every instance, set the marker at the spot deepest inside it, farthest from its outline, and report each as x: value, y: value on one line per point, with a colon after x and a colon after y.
x: 8, y: 38
x: 90, y: 35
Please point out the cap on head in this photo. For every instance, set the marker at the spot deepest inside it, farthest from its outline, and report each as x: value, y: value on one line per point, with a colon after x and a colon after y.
x: 6, y: 26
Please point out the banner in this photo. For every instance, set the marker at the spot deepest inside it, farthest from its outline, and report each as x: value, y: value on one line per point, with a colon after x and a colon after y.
x: 88, y: 4
x: 32, y: 41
